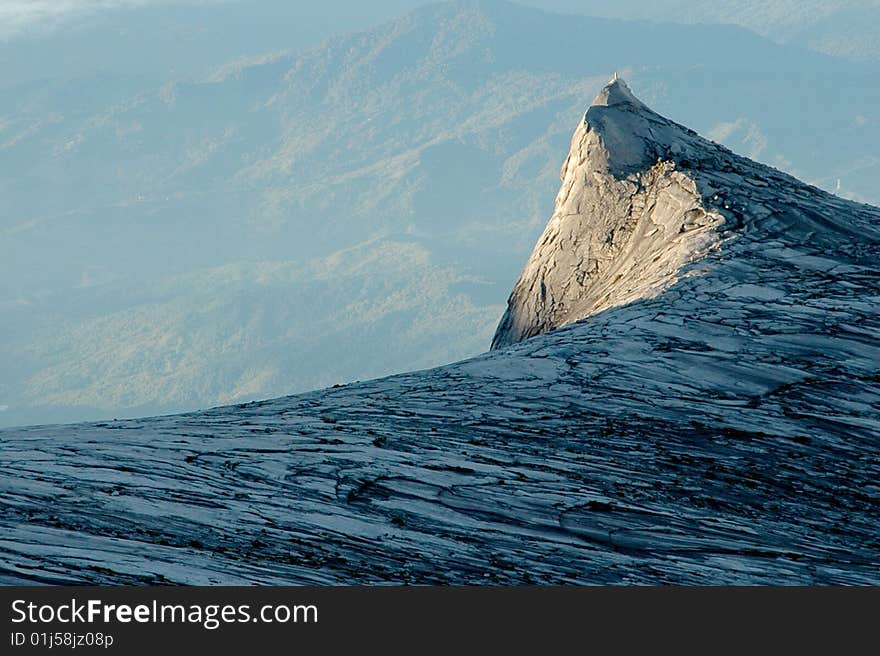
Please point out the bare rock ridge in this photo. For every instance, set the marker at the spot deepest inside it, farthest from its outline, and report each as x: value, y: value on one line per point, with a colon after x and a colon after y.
x: 641, y: 200
x: 722, y: 431
x: 625, y: 223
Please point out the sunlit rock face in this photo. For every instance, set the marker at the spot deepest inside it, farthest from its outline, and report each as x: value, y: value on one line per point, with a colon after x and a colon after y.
x: 626, y: 222
x: 642, y: 200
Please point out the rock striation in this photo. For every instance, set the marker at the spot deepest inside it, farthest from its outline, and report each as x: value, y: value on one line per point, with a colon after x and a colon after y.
x: 720, y: 428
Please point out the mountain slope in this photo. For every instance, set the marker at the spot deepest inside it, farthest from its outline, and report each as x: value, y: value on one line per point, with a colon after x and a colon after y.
x: 724, y: 430
x: 441, y: 129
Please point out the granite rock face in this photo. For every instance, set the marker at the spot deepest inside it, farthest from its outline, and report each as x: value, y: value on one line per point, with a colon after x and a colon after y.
x: 639, y: 206
x: 626, y: 221
x: 703, y: 429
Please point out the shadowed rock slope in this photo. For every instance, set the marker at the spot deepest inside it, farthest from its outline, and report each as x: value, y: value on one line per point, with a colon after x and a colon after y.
x: 711, y: 428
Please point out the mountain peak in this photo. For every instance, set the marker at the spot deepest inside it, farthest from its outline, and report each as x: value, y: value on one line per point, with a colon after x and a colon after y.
x: 621, y: 135
x: 629, y: 216
x: 642, y: 198
x: 616, y: 92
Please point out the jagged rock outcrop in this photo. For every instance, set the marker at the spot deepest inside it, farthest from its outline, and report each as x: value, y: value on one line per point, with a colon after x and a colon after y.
x: 626, y: 220
x: 640, y: 201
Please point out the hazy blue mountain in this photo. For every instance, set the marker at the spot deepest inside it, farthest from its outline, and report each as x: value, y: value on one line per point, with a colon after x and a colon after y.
x: 180, y: 37
x: 846, y: 28
x: 142, y: 216
x: 167, y: 38
x: 231, y: 332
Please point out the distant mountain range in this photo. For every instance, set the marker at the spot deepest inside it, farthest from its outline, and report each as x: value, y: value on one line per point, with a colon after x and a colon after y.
x: 845, y: 28
x: 180, y: 243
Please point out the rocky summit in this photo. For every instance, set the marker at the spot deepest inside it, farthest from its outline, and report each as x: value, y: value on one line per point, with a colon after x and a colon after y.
x: 642, y: 204
x: 685, y: 389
